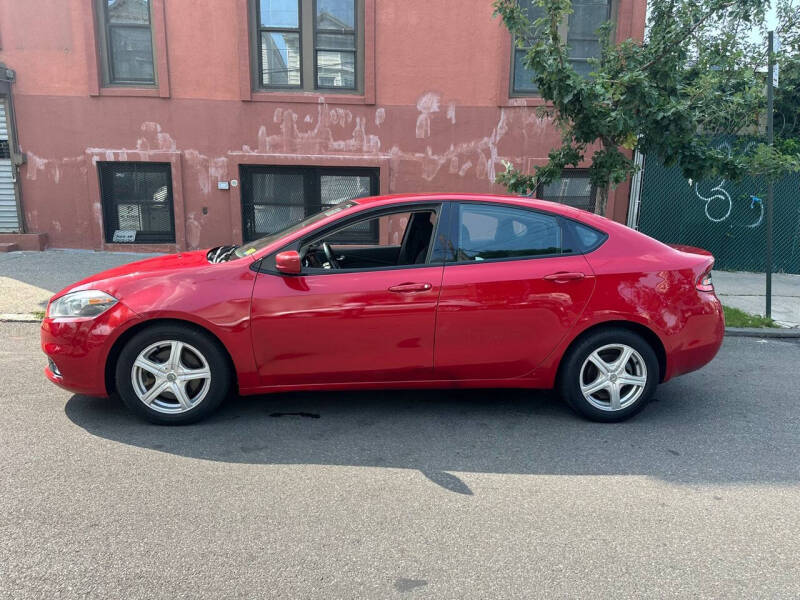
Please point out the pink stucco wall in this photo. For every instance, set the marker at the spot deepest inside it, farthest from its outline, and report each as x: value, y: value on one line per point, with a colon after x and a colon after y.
x: 436, y: 114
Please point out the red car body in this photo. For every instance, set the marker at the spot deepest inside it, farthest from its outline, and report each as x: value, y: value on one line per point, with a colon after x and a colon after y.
x: 498, y: 324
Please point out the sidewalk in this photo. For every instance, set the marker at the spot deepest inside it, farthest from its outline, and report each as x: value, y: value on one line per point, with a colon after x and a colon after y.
x: 28, y: 279
x: 746, y: 291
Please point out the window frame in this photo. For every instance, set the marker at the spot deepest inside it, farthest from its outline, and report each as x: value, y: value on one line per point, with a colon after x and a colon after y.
x: 564, y: 31
x: 434, y: 257
x: 259, y: 29
x: 308, y: 51
x: 455, y: 227
x: 567, y: 234
x: 311, y: 186
x: 106, y: 207
x: 357, y: 52
x: 609, y: 15
x: 106, y: 52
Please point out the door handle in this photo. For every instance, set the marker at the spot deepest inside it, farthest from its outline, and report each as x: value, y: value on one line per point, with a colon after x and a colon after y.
x: 564, y: 277
x: 406, y: 288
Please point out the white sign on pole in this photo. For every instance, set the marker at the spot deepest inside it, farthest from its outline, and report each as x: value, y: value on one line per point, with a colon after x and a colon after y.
x: 776, y: 47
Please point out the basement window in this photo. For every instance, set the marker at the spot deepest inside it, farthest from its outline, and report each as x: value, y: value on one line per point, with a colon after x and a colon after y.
x: 573, y: 189
x: 137, y: 202
x: 274, y: 198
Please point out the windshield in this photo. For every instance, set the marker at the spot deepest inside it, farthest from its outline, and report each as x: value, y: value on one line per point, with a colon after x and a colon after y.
x: 256, y: 245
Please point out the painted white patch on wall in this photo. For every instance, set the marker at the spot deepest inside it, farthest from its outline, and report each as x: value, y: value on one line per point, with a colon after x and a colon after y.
x: 97, y: 209
x: 193, y: 228
x: 451, y: 112
x: 154, y: 137
x: 34, y: 165
x: 427, y: 104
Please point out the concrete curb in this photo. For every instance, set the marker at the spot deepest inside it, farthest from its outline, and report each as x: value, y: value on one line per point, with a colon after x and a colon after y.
x: 762, y: 332
x: 20, y: 318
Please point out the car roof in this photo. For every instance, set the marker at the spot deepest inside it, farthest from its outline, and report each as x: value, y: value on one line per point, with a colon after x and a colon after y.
x: 553, y: 207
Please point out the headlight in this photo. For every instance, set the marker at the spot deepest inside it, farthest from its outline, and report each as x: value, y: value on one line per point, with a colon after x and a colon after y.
x: 88, y: 303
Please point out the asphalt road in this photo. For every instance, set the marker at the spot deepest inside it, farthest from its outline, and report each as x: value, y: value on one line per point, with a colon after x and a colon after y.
x: 479, y: 494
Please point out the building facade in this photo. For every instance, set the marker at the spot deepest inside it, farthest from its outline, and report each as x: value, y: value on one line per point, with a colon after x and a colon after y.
x: 180, y: 124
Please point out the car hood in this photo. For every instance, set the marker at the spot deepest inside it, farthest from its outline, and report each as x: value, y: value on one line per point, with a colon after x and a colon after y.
x: 114, y: 281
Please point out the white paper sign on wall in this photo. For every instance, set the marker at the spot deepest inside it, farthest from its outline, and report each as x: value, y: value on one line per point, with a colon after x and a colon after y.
x: 124, y: 236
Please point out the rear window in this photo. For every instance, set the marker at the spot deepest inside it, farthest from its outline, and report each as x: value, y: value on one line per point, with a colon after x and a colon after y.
x: 584, y: 238
x: 490, y: 232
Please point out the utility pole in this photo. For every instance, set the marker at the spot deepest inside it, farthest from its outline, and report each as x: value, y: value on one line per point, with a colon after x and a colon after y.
x: 770, y: 140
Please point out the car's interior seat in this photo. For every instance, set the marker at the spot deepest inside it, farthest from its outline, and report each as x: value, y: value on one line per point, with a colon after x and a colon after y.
x: 505, y: 231
x: 466, y: 239
x: 418, y: 237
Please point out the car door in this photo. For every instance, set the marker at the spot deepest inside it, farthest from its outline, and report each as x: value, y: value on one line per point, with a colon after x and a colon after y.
x: 373, y: 320
x: 511, y: 290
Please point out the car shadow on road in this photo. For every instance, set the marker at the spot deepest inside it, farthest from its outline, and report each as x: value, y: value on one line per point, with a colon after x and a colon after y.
x: 684, y: 436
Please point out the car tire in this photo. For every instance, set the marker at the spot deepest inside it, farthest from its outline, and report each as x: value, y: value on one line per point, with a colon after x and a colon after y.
x: 610, y: 375
x: 172, y: 374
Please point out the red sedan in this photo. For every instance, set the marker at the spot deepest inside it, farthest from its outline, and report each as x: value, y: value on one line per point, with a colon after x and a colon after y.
x: 413, y: 291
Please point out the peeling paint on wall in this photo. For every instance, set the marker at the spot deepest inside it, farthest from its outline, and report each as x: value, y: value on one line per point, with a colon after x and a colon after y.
x: 310, y: 132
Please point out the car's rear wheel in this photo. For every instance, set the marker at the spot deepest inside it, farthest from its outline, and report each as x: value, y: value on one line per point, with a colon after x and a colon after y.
x: 610, y: 375
x: 172, y: 374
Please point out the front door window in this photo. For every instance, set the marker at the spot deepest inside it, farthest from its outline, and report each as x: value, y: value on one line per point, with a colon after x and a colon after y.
x: 387, y: 240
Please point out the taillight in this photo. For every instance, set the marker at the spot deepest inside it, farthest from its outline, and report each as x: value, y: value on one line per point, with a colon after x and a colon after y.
x: 704, y: 284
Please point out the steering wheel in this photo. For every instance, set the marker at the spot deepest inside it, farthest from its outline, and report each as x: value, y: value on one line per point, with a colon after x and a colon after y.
x: 326, y: 248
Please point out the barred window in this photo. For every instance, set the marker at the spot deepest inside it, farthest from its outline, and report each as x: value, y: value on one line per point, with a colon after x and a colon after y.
x: 573, y: 189
x: 274, y: 198
x: 137, y: 202
x: 308, y: 45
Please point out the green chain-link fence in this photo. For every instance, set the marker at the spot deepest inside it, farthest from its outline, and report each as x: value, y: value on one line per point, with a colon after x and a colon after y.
x: 726, y: 218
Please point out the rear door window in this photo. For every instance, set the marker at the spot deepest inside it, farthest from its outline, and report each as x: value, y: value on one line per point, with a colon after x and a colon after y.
x: 489, y: 232
x: 585, y: 238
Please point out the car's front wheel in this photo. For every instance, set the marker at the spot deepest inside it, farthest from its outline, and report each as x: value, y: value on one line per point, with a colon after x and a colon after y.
x: 610, y: 375
x: 172, y: 374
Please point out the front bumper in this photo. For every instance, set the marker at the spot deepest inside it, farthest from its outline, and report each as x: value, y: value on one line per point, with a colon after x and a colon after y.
x: 77, y: 348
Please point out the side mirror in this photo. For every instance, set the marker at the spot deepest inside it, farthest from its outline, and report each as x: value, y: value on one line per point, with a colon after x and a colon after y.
x: 288, y: 262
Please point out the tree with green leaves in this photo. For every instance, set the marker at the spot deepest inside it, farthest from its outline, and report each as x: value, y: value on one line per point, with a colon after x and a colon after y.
x: 699, y: 73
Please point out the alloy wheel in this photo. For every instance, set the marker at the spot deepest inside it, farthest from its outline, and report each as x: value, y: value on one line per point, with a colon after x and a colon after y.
x: 613, y: 377
x: 171, y: 376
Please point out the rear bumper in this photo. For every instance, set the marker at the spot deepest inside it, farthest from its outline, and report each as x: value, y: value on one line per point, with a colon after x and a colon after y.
x: 699, y: 340
x: 77, y: 349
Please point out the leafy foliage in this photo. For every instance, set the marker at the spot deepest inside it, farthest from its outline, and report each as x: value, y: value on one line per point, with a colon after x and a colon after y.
x: 698, y: 74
